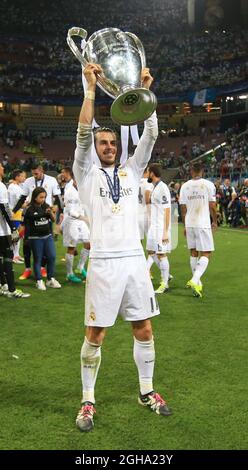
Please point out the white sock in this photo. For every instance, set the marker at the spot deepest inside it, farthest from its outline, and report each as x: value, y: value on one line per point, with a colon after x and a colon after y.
x: 149, y: 262
x: 200, y: 269
x: 144, y: 357
x: 83, y: 258
x: 165, y: 269
x: 69, y: 263
x: 193, y: 263
x: 90, y: 363
x: 16, y: 249
x: 156, y: 260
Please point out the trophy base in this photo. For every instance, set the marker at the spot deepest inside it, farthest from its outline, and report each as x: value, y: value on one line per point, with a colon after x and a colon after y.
x: 134, y: 106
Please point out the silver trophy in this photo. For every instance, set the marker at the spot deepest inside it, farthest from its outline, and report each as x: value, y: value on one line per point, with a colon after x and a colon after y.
x: 122, y: 57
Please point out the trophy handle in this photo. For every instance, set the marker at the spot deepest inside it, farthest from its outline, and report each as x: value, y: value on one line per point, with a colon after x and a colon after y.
x: 101, y: 79
x: 82, y: 33
x: 140, y: 48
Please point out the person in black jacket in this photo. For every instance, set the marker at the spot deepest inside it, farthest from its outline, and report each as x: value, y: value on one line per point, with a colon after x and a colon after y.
x: 38, y: 220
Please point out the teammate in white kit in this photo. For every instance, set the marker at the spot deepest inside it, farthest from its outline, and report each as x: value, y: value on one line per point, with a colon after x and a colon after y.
x: 145, y: 190
x: 159, y: 233
x: 14, y: 194
x: 198, y: 202
x: 117, y: 280
x: 75, y: 231
x: 50, y: 184
x: 8, y: 236
x: 40, y: 179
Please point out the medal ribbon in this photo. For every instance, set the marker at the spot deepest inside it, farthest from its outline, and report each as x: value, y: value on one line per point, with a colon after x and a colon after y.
x: 114, y: 188
x: 40, y: 181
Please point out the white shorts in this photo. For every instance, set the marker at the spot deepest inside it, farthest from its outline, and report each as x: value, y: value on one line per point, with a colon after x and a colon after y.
x: 154, y: 241
x: 74, y: 232
x: 200, y: 239
x: 118, y: 286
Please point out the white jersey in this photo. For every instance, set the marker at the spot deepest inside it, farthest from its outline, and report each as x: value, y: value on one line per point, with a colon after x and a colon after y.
x: 143, y: 207
x: 4, y: 227
x: 49, y: 183
x: 15, y: 191
x: 196, y: 194
x: 114, y: 228
x: 143, y: 187
x: 68, y: 185
x: 73, y: 207
x: 160, y: 200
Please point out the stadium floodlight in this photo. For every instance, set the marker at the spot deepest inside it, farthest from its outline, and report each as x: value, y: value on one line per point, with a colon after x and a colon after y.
x: 243, y: 97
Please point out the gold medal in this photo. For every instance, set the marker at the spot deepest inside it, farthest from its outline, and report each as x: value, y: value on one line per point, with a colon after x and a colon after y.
x: 116, y: 208
x: 122, y: 173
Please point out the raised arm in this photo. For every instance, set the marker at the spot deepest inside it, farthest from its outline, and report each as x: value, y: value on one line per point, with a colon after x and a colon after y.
x: 83, y: 153
x: 87, y: 111
x: 144, y: 148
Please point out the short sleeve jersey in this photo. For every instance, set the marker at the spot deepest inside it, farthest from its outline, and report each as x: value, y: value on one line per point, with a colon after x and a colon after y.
x: 72, y: 202
x: 49, y: 183
x: 143, y: 187
x: 160, y: 200
x: 14, y: 194
x: 196, y: 195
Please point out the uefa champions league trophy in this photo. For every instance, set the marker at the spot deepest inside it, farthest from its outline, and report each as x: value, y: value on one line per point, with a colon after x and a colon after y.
x: 122, y: 57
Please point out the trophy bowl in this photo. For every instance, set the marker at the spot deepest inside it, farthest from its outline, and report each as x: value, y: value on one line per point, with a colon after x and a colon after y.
x: 122, y: 58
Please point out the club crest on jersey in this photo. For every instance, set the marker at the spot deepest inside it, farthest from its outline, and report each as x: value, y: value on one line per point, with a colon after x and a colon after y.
x: 122, y: 173
x: 92, y: 316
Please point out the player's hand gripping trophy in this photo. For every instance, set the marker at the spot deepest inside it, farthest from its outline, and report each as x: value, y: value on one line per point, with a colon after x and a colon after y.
x: 122, y: 72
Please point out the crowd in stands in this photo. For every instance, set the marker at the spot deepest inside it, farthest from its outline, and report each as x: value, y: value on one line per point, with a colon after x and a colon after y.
x: 36, y: 61
x: 187, y: 147
x: 47, y: 17
x: 231, y: 160
x: 196, y: 61
x: 53, y: 166
x: 10, y: 135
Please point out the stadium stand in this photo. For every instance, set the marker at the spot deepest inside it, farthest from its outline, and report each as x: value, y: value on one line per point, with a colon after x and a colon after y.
x: 36, y: 62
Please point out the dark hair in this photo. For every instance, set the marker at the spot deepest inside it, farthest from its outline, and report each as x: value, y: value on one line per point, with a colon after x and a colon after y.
x: 36, y: 193
x: 196, y: 167
x: 156, y: 169
x: 104, y: 129
x: 36, y: 165
x: 16, y: 173
x: 68, y: 169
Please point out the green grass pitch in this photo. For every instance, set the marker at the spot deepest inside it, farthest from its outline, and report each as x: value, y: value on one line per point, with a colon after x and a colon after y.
x: 201, y: 364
